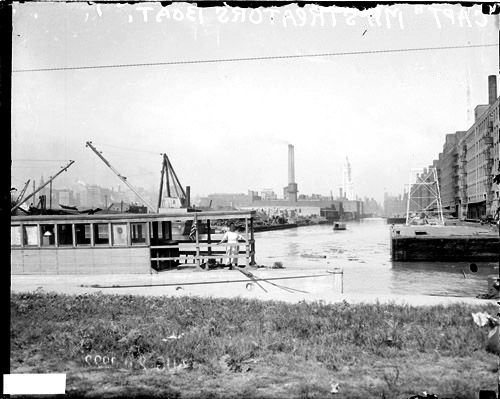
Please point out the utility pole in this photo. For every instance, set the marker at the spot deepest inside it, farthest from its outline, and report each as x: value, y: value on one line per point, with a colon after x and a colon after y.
x: 50, y: 195
x: 41, y: 187
x: 122, y: 178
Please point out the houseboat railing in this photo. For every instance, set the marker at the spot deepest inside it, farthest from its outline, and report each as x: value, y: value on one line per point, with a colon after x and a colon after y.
x: 203, y: 251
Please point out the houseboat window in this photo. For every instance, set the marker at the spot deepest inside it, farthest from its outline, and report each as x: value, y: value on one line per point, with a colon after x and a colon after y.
x: 138, y: 231
x: 48, y: 234
x: 83, y: 234
x: 15, y: 235
x: 120, y: 236
x: 101, y: 235
x: 64, y: 234
x: 31, y: 235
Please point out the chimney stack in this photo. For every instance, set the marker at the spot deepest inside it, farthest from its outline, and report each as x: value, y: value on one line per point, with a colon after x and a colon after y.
x: 291, y: 164
x: 492, y: 89
x: 292, y: 186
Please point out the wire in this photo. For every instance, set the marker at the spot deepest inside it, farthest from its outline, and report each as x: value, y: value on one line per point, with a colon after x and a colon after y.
x: 262, y: 58
x: 129, y: 149
x: 39, y: 160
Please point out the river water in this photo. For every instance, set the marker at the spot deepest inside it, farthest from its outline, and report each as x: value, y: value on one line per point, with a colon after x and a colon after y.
x: 363, y: 253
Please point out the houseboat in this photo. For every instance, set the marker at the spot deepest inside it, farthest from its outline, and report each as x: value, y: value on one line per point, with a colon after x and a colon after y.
x: 339, y: 226
x: 122, y: 243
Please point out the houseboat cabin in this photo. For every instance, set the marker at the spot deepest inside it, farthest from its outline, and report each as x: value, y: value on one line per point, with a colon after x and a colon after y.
x: 124, y: 243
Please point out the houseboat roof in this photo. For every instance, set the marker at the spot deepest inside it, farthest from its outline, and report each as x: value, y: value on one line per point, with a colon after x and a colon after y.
x: 142, y: 217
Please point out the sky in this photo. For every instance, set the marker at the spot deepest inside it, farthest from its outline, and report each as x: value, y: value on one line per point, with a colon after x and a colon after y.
x: 225, y: 125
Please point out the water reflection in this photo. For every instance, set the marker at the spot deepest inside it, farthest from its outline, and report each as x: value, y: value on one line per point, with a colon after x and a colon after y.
x: 363, y: 251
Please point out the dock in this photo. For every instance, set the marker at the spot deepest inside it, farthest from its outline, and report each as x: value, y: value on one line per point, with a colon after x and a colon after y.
x: 444, y: 243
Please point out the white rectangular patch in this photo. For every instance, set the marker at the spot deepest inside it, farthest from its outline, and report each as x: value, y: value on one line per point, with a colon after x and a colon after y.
x: 34, y: 384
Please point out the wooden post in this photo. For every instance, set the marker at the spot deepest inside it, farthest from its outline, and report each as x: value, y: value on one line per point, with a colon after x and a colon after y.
x: 56, y: 236
x: 50, y: 195
x: 247, y: 245
x: 73, y: 233
x: 252, y: 245
x: 129, y: 235
x: 198, y: 262
x: 209, y: 238
x: 110, y: 235
x: 22, y: 235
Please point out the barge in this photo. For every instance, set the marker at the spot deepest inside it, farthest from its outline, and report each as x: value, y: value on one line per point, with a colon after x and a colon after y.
x: 396, y: 220
x: 444, y: 243
x: 121, y: 243
x: 277, y: 226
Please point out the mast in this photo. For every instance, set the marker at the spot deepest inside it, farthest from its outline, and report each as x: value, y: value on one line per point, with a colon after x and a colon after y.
x: 122, y: 178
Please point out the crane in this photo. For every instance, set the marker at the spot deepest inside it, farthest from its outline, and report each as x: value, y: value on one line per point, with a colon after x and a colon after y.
x: 168, y: 172
x: 122, y: 178
x: 21, y: 194
x: 22, y: 201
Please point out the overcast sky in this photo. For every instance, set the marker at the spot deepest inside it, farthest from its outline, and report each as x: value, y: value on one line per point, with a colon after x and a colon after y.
x: 226, y: 125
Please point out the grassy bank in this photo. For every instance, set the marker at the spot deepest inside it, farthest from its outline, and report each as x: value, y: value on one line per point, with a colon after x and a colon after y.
x: 190, y: 347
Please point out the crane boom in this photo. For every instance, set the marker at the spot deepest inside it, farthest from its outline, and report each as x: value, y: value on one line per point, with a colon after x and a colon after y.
x: 41, y: 187
x: 21, y: 194
x: 122, y: 178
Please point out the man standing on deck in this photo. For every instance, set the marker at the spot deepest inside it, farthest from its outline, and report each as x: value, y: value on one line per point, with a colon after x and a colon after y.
x: 233, y: 249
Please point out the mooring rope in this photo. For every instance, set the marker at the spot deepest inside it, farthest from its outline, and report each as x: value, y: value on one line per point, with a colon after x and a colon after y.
x: 201, y: 282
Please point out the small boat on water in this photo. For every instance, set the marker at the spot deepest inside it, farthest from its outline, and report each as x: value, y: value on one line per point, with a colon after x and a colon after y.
x: 339, y: 226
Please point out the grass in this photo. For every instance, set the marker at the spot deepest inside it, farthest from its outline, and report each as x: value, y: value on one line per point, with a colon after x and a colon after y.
x: 251, y: 349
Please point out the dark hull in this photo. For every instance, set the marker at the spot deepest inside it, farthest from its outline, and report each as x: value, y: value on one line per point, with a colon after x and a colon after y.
x: 485, y: 249
x: 396, y: 220
x: 275, y: 227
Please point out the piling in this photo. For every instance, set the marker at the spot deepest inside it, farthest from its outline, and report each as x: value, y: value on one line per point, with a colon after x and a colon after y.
x: 338, y: 280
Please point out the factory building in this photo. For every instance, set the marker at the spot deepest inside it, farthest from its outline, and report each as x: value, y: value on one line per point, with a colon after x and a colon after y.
x: 470, y: 160
x: 450, y: 173
x: 479, y: 154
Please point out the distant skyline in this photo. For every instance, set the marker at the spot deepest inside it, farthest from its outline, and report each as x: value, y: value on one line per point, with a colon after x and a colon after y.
x: 225, y: 125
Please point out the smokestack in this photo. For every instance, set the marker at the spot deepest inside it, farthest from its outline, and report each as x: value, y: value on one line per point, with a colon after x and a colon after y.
x: 291, y: 164
x: 492, y: 89
x: 292, y: 186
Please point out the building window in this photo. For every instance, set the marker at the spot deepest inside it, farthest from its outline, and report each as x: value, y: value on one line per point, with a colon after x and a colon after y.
x: 30, y: 235
x: 101, y: 233
x: 138, y: 233
x: 47, y: 232
x: 120, y: 236
x: 15, y: 235
x: 83, y: 234
x: 64, y: 234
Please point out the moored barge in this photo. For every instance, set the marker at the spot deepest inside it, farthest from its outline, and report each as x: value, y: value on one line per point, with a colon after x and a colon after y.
x: 444, y: 243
